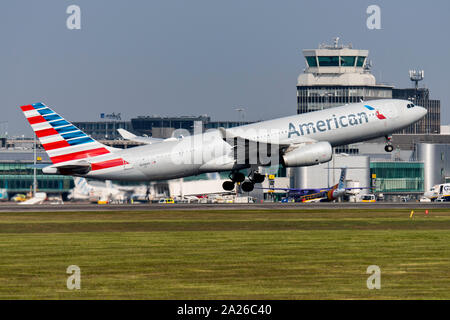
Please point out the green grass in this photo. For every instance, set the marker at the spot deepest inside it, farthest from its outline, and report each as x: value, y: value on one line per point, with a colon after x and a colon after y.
x: 270, y: 254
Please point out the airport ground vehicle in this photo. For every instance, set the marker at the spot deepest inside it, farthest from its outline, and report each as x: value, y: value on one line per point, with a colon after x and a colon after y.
x: 166, y: 200
x: 424, y: 199
x: 368, y: 198
x: 19, y: 197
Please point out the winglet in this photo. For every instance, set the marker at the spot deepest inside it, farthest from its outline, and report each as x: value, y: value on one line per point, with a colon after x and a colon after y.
x: 126, y: 134
x: 132, y: 137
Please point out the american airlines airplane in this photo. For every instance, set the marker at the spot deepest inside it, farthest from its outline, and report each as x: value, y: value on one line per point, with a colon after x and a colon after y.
x: 299, y: 140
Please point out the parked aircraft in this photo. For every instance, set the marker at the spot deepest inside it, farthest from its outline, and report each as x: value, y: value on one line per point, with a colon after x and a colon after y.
x: 299, y: 140
x: 439, y: 192
x: 320, y: 195
x: 103, y: 192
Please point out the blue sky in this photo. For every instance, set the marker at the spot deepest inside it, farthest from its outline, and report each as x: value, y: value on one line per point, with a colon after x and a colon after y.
x: 175, y: 57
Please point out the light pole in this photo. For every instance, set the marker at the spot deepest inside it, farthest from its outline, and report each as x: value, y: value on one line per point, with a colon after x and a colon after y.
x: 241, y: 113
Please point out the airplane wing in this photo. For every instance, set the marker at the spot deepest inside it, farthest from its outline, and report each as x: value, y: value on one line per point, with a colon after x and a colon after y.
x: 132, y: 137
x: 253, y: 148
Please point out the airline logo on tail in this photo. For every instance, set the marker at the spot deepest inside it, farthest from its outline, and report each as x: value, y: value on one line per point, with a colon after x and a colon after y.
x: 63, y: 141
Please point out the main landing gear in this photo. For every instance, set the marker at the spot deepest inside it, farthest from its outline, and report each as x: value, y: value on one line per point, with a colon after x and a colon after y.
x: 388, y: 147
x: 247, y: 185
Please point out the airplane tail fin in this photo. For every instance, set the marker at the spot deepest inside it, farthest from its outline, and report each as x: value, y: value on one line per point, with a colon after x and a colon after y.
x: 82, y: 185
x: 341, y: 184
x: 108, y: 184
x: 61, y: 139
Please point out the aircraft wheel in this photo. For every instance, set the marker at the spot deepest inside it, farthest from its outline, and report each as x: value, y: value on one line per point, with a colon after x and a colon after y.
x: 389, y: 148
x: 258, y: 178
x: 228, y: 185
x: 247, y: 186
x: 237, y: 176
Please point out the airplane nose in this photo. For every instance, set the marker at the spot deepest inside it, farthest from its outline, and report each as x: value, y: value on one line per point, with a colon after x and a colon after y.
x: 422, y: 111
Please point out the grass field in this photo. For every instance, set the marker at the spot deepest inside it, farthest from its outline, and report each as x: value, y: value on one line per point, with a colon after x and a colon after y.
x: 270, y: 254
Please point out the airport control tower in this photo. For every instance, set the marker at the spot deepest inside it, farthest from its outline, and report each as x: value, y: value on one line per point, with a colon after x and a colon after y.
x: 337, y: 74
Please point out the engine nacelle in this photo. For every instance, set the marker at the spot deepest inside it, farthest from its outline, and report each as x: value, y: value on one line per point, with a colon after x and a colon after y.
x: 308, y: 155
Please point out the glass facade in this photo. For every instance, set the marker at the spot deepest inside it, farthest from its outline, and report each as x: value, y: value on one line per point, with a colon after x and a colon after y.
x: 360, y: 61
x: 335, y: 61
x: 144, y: 125
x: 313, y: 98
x: 103, y: 129
x: 398, y: 176
x: 348, y: 61
x: 18, y: 178
x: 331, y: 61
x: 312, y: 62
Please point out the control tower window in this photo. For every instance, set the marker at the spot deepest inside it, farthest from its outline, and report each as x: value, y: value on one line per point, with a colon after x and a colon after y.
x: 312, y: 62
x: 332, y: 61
x: 348, y: 61
x: 360, y: 61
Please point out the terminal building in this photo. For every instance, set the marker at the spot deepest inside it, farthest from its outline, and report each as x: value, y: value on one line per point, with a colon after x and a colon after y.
x: 154, y: 126
x: 17, y: 174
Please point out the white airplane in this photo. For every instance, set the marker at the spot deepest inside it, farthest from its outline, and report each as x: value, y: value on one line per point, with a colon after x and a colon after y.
x: 83, y: 190
x: 299, y: 140
x: 440, y: 192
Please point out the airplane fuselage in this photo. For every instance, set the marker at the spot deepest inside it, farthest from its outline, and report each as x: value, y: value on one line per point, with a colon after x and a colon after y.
x: 208, y: 152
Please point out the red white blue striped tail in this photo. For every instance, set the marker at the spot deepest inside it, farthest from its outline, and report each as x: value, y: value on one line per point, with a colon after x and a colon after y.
x: 61, y: 139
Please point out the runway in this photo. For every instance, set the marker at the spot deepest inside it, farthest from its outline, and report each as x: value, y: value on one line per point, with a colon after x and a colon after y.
x: 13, y: 207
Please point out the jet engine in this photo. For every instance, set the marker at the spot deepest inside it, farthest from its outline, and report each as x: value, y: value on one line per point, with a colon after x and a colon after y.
x: 308, y: 154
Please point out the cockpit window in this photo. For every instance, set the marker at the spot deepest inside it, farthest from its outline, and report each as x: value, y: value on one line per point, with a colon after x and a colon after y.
x: 410, y: 105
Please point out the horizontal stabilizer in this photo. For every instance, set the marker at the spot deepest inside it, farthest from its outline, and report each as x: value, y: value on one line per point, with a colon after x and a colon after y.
x: 73, y: 168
